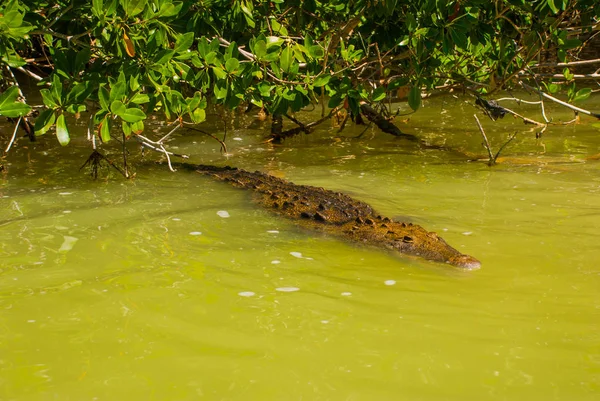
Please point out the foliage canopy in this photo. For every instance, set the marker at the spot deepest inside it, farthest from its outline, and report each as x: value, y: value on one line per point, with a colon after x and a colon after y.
x: 121, y: 60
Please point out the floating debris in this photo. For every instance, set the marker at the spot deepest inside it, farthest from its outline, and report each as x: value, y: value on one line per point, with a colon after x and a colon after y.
x: 195, y: 233
x: 467, y: 233
x: 287, y: 289
x: 246, y: 294
x: 273, y: 232
x: 68, y: 244
x: 223, y: 213
x: 346, y: 294
x: 389, y: 282
x: 296, y: 254
x: 65, y: 193
x: 275, y: 262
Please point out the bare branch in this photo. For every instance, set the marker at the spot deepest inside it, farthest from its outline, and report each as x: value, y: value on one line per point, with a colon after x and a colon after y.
x: 570, y: 106
x: 14, y: 135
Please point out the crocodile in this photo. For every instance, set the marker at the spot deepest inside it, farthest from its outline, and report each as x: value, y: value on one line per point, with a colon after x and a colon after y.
x: 338, y: 214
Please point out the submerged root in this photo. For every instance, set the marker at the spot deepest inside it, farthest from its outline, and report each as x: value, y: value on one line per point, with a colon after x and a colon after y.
x: 95, y: 161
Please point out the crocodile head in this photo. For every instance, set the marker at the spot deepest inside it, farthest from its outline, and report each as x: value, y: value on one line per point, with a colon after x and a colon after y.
x: 409, y: 239
x: 420, y: 242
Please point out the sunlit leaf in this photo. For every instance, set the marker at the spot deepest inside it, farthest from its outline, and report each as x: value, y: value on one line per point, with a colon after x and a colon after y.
x: 105, y: 129
x: 379, y: 94
x: 62, y: 132
x: 44, y: 122
x: 582, y: 94
x: 321, y: 80
x: 129, y: 47
x: 414, y: 97
x: 184, y: 42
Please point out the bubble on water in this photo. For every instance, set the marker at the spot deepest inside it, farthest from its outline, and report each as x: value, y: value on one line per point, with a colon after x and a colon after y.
x: 296, y: 254
x: 246, y: 294
x: 467, y: 233
x: 237, y: 138
x: 275, y: 262
x: 273, y: 232
x: 66, y: 211
x: 223, y: 213
x: 346, y: 294
x: 195, y: 233
x: 389, y: 282
x: 324, y: 321
x: 287, y: 289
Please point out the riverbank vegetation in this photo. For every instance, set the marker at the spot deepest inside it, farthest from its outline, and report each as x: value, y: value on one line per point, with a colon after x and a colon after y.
x: 116, y: 63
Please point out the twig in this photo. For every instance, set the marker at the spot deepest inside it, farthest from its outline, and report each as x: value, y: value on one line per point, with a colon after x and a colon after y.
x: 486, y: 143
x: 504, y: 145
x: 223, y: 146
x: 161, y: 140
x: 12, y: 140
x: 570, y: 106
x: 125, y: 157
x: 570, y: 63
x: 31, y: 74
x: 365, y: 130
x: 517, y: 100
x: 156, y: 146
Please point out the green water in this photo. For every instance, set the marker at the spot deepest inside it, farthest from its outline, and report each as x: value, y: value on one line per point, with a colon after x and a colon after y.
x: 142, y: 290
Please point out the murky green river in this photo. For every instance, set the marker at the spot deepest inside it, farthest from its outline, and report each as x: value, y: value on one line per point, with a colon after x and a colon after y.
x: 172, y: 286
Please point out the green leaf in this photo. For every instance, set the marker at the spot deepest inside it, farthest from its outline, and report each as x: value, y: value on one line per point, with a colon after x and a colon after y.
x: 184, y: 42
x: 287, y: 57
x: 582, y: 94
x: 117, y: 91
x: 232, y: 65
x: 414, y: 97
x: 132, y: 115
x: 79, y: 92
x: 220, y: 90
x: 379, y: 94
x: 137, y: 128
x: 48, y: 99
x: 219, y: 73
x: 552, y: 6
x: 57, y: 89
x: 16, y: 109
x: 170, y: 9
x: 140, y: 98
x: 62, y: 133
x: 9, y: 96
x: 97, y: 8
x: 133, y: 7
x: 126, y: 129
x: 198, y: 116
x: 117, y: 107
x: 104, y: 97
x: 163, y: 56
x: 105, y: 129
x: 321, y: 80
x: 44, y: 122
x: 260, y: 49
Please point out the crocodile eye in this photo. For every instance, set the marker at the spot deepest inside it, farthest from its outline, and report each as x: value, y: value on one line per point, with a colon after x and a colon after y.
x: 406, y: 238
